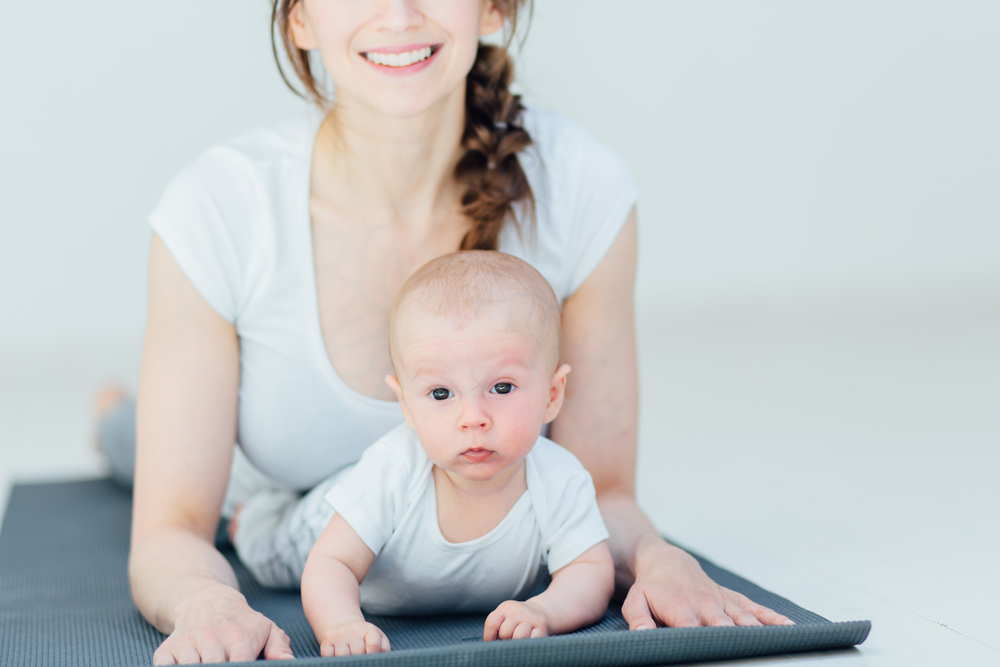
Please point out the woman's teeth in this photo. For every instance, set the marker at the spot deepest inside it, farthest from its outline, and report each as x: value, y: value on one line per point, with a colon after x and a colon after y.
x: 399, y: 59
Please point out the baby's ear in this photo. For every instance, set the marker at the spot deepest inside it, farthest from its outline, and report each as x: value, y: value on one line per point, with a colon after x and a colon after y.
x: 557, y: 392
x: 394, y: 385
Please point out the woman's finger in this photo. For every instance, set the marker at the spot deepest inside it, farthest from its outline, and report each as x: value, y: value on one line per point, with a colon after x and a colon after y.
x: 716, y: 616
x: 163, y: 656
x: 538, y: 632
x: 769, y: 616
x: 277, y: 646
x: 636, y: 611
x: 327, y: 651
x: 212, y: 652
x: 243, y: 646
x: 763, y: 614
x: 740, y: 615
x: 185, y: 654
x: 385, y: 644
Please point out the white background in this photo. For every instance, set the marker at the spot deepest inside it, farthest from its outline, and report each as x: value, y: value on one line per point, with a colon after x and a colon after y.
x: 781, y: 147
x: 819, y: 282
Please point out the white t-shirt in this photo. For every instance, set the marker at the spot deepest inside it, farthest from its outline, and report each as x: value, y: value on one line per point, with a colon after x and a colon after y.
x: 389, y: 499
x: 237, y: 223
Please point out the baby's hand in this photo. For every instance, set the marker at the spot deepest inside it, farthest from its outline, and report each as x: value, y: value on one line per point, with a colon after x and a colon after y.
x: 354, y: 638
x: 516, y: 620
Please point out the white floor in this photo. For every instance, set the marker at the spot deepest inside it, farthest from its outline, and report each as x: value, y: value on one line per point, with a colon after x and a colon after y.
x: 843, y: 452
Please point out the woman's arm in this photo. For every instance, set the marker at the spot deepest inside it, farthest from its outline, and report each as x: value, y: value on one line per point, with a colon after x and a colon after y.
x: 598, y: 423
x: 186, y: 432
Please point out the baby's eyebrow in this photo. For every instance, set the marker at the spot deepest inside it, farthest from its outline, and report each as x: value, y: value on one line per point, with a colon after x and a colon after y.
x: 424, y: 370
x: 507, y: 367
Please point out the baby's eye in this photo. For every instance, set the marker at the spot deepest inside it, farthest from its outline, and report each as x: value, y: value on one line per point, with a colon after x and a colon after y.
x: 441, y: 394
x: 502, y: 388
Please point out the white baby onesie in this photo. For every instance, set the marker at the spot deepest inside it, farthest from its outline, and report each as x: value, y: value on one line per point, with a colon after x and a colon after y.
x: 389, y: 499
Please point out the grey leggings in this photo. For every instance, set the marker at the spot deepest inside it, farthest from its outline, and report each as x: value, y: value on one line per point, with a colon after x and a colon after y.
x: 116, y: 438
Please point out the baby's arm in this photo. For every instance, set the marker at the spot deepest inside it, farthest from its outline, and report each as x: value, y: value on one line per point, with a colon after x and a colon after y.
x: 578, y: 596
x: 331, y: 594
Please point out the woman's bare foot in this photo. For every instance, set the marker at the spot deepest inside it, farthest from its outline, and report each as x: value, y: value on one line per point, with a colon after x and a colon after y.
x: 233, y: 524
x: 109, y: 397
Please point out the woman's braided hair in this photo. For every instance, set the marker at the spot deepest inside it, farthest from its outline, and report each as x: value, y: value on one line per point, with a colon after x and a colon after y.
x: 490, y: 171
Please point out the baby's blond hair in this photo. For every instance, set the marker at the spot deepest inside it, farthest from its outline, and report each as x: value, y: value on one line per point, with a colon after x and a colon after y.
x: 467, y: 283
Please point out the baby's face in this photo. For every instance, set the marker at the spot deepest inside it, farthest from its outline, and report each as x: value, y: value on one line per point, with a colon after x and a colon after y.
x: 475, y: 390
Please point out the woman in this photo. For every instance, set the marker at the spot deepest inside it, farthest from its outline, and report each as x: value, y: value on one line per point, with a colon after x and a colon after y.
x: 273, y: 265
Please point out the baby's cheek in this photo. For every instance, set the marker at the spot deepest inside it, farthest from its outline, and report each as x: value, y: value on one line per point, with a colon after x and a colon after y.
x: 524, y: 424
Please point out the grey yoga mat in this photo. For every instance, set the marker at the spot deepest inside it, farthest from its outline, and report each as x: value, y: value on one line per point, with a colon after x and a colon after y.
x: 64, y: 600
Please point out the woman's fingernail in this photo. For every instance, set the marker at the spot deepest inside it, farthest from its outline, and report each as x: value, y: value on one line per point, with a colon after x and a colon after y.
x: 643, y: 627
x: 788, y: 621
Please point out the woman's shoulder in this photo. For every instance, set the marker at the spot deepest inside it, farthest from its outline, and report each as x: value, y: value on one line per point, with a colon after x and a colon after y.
x: 560, y: 139
x: 566, y: 161
x: 217, y: 214
x: 263, y: 149
x: 583, y: 192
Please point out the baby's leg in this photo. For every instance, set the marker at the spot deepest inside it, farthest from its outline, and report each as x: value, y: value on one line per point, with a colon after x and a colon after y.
x: 276, y: 530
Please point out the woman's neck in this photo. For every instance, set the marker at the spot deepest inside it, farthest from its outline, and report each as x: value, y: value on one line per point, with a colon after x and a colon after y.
x: 391, y: 170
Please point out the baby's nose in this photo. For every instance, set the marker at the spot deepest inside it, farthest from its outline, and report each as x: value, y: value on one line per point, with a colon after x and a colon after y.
x: 473, y: 417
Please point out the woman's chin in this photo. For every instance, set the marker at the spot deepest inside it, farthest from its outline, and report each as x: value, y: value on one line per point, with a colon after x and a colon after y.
x: 405, y: 102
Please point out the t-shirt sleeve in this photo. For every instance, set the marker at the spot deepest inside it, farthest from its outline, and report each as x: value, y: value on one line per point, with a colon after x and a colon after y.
x: 203, y: 218
x: 602, y: 198
x: 575, y: 522
x: 372, y: 497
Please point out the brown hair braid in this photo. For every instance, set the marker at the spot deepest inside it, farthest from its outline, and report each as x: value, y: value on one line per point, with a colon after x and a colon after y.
x: 490, y: 171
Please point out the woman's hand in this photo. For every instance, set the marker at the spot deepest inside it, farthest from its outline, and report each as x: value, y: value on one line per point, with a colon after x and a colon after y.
x: 598, y: 424
x: 186, y: 422
x: 219, y: 626
x: 354, y: 638
x: 671, y: 589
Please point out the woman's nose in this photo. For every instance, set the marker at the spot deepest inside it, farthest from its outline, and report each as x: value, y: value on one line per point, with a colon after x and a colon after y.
x: 399, y: 15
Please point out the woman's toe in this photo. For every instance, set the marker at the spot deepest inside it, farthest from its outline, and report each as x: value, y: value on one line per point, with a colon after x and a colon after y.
x: 108, y: 398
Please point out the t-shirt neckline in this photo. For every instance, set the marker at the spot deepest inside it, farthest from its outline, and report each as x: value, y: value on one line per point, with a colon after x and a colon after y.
x: 521, y: 507
x: 316, y: 119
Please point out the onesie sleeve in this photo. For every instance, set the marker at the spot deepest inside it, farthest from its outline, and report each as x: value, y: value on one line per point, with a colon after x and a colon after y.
x: 574, y: 523
x: 604, y: 193
x: 372, y: 497
x: 203, y: 218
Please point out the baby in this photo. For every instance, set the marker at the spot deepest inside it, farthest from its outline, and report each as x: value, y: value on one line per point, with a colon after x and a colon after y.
x: 464, y: 507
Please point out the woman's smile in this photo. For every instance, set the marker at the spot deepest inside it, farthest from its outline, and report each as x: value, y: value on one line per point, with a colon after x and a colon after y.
x: 401, y: 61
x: 401, y: 56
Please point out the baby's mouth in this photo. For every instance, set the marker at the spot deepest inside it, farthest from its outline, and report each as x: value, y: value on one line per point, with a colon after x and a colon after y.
x: 477, y: 455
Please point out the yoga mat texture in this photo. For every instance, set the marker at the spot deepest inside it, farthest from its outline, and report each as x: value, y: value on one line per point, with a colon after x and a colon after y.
x: 64, y: 600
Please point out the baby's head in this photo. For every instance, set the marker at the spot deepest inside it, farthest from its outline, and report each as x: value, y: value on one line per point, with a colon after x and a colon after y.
x: 474, y: 341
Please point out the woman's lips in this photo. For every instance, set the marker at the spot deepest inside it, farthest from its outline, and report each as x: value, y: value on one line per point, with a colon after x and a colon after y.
x: 477, y: 455
x: 402, y: 60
